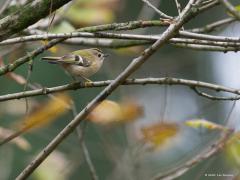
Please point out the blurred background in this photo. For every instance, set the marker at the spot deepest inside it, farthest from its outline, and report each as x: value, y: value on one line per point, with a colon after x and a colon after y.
x: 150, y: 138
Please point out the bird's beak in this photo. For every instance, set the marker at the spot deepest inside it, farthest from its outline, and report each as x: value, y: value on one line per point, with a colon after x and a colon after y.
x: 105, y: 55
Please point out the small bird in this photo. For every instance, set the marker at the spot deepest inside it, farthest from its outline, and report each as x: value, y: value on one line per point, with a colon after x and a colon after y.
x: 81, y: 63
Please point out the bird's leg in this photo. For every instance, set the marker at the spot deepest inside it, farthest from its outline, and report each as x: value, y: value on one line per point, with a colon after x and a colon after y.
x: 86, y: 79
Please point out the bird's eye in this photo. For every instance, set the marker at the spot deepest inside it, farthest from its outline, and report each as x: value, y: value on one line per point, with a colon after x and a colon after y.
x: 99, y: 55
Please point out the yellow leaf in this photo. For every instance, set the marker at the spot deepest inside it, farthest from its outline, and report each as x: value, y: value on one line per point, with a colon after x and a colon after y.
x: 89, y: 16
x: 158, y: 134
x: 53, y: 49
x: 106, y: 112
x: 131, y: 110
x: 56, y: 167
x: 232, y: 150
x: 110, y: 4
x: 199, y: 123
x: 63, y: 27
x: 47, y: 112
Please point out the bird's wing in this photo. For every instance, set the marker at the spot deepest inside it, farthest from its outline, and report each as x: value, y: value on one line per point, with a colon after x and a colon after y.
x: 74, y: 59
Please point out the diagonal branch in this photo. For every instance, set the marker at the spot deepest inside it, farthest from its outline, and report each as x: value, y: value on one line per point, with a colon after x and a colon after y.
x: 134, y: 65
x: 230, y: 8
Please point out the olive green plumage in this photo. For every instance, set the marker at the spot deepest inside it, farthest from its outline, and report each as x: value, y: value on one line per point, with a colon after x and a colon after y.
x: 83, y: 63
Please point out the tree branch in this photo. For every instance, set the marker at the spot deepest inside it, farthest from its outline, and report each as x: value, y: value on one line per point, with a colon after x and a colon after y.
x: 86, y: 154
x: 196, y: 39
x: 156, y: 9
x: 230, y: 8
x: 211, y: 27
x: 159, y: 81
x: 25, y: 17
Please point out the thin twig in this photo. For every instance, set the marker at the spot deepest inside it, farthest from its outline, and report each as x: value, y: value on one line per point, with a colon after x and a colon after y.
x: 80, y: 134
x: 207, y: 47
x: 156, y: 9
x: 134, y: 65
x: 178, y: 5
x: 218, y: 98
x: 213, y: 26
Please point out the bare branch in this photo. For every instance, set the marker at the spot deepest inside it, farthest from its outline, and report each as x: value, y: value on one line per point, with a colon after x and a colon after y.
x: 209, y: 37
x: 211, y: 27
x: 207, y: 48
x: 178, y: 5
x: 199, y: 39
x: 219, y: 98
x: 156, y: 9
x: 80, y: 33
x: 80, y: 134
x: 144, y: 81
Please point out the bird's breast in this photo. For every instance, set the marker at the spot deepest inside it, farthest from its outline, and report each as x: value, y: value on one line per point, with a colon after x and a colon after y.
x: 76, y: 70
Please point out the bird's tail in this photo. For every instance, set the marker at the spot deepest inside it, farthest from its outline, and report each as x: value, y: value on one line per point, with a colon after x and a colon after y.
x: 53, y: 60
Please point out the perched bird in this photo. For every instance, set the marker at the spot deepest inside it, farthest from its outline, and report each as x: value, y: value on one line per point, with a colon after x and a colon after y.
x: 81, y: 63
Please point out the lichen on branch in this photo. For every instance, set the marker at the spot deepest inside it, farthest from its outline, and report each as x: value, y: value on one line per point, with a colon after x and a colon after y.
x: 28, y: 15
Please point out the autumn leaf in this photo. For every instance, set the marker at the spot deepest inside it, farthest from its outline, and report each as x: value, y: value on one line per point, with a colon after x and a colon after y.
x: 159, y: 133
x: 202, y: 123
x: 110, y: 4
x: 53, y: 49
x: 232, y: 150
x: 62, y: 27
x: 88, y: 16
x: 57, y: 166
x: 45, y: 114
x: 86, y: 13
x: 108, y: 112
x: 131, y: 110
